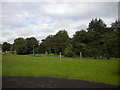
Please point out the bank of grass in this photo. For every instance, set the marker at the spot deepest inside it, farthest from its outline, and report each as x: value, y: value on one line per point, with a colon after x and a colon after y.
x: 104, y: 71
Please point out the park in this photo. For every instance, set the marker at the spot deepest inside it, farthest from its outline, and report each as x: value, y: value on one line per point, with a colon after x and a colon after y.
x: 89, y: 59
x: 60, y: 44
x: 100, y: 71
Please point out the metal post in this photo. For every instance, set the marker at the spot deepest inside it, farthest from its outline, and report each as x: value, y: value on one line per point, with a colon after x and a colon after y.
x: 80, y: 57
x: 60, y: 58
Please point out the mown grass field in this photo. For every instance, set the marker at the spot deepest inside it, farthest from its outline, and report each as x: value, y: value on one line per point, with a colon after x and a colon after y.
x: 103, y: 71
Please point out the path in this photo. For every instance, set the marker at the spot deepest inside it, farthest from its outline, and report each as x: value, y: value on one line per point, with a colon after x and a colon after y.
x: 63, y: 57
x: 45, y: 82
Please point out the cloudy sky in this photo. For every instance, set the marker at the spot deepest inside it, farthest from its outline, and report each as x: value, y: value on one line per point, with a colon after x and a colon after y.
x: 40, y: 19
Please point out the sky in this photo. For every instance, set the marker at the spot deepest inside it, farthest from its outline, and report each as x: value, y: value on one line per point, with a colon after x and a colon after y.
x: 40, y: 19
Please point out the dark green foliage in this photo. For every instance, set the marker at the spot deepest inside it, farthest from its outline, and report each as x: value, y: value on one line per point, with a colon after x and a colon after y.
x: 42, y: 47
x: 37, y: 50
x: 47, y: 44
x: 20, y: 46
x: 21, y: 49
x: 6, y: 46
x: 97, y: 25
x: 80, y: 36
x: 25, y: 46
x: 69, y: 51
x: 116, y: 29
x: 109, y: 42
x: 98, y: 41
x: 31, y: 43
x: 62, y: 40
x: 55, y: 43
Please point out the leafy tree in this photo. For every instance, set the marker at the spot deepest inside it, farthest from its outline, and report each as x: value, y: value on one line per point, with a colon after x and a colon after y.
x: 42, y: 47
x: 116, y: 28
x: 102, y: 38
x: 56, y: 43
x: 109, y: 41
x: 108, y: 30
x: 91, y: 36
x: 62, y: 40
x: 37, y: 50
x: 6, y: 46
x: 81, y: 36
x: 12, y: 48
x: 20, y: 46
x: 80, y: 42
x: 48, y: 44
x: 80, y: 47
x: 21, y: 49
x: 97, y: 25
x: 98, y: 40
x: 31, y: 43
x: 69, y: 51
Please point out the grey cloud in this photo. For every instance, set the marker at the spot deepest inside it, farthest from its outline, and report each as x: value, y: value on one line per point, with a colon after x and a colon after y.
x: 52, y: 17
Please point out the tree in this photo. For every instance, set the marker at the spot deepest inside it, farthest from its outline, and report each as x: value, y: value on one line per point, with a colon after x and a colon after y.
x: 116, y: 28
x: 48, y: 44
x: 42, y: 47
x: 62, y: 40
x: 109, y: 41
x: 98, y: 40
x: 92, y: 36
x: 12, y: 48
x: 6, y: 47
x: 69, y: 51
x: 80, y: 47
x: 108, y: 30
x: 56, y: 43
x: 97, y: 25
x: 20, y: 46
x: 31, y: 44
x: 81, y: 36
x: 80, y: 42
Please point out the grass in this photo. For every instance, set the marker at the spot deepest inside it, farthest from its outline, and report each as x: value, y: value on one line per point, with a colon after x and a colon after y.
x: 103, y: 71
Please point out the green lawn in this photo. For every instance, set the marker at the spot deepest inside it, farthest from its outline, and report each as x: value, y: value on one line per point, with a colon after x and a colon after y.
x: 104, y: 71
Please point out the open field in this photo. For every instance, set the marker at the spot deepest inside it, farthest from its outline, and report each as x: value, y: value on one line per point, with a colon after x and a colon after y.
x: 104, y: 71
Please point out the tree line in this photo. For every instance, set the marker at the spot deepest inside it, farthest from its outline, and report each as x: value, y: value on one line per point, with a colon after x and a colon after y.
x: 97, y: 41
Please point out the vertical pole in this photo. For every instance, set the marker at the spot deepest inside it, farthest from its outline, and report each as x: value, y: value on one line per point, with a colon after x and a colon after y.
x: 33, y: 50
x: 50, y: 51
x: 60, y: 58
x: 80, y: 57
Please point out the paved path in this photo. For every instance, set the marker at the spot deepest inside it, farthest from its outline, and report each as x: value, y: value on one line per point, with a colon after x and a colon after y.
x: 45, y: 82
x: 63, y: 57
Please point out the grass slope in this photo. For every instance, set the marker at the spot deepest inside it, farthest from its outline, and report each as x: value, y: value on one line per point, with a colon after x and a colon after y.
x: 104, y: 71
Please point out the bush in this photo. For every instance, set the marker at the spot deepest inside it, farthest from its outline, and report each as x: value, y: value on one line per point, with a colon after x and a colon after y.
x: 69, y: 52
x: 21, y: 50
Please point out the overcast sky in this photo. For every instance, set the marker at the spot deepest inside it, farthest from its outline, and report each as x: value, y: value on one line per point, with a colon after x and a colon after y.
x: 40, y: 19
